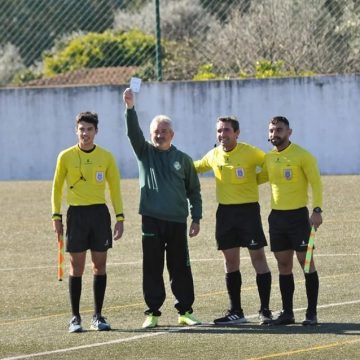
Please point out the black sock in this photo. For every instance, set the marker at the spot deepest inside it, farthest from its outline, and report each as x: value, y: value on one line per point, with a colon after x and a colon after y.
x: 99, y: 285
x: 312, y: 292
x: 233, y: 285
x: 287, y: 288
x: 263, y: 282
x: 75, y: 293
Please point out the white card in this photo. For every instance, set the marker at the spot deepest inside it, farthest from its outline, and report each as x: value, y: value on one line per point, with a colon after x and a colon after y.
x: 135, y: 84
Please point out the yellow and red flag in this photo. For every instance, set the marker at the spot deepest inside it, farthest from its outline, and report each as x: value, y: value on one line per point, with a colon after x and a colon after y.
x: 61, y: 257
x: 309, y: 251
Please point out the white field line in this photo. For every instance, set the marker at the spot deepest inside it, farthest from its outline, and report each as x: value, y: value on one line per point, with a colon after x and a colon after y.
x: 142, y: 336
x: 117, y: 341
x: 139, y: 262
x: 326, y: 306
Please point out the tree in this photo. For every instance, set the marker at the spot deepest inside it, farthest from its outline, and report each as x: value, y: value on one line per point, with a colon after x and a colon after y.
x: 33, y: 26
x: 10, y: 63
x: 181, y: 23
x: 220, y: 9
x: 179, y: 20
x: 286, y: 30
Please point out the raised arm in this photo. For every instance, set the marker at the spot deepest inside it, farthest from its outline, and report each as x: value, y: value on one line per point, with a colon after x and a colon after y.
x: 128, y: 98
x: 133, y: 129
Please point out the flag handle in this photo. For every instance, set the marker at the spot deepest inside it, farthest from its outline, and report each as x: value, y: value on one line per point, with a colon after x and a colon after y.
x: 309, y: 251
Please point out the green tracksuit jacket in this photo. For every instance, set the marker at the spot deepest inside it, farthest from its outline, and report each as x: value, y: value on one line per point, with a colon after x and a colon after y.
x: 169, y: 183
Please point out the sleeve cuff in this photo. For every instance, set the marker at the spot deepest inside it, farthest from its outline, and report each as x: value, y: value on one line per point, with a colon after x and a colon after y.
x: 120, y: 217
x: 56, y: 217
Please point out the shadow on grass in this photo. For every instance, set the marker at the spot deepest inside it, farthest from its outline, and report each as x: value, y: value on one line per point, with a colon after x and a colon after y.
x: 322, y: 328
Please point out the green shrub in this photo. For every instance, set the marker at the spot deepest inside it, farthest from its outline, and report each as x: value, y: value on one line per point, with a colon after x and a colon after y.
x: 26, y: 75
x: 206, y: 72
x: 263, y: 69
x: 100, y: 50
x: 147, y: 72
x: 268, y: 69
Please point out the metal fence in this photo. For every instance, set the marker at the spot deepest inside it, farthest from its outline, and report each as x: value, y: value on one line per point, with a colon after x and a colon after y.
x: 65, y: 42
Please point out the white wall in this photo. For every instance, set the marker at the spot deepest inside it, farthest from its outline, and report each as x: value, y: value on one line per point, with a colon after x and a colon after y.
x: 36, y: 124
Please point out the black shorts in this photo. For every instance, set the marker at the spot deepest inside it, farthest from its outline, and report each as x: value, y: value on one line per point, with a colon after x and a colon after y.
x: 239, y: 226
x: 88, y: 227
x: 289, y: 229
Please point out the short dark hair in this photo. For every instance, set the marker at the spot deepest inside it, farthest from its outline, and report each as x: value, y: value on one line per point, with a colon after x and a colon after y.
x: 88, y: 116
x: 232, y: 120
x: 277, y: 119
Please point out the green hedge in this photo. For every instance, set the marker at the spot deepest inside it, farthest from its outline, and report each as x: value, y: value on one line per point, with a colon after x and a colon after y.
x: 100, y: 50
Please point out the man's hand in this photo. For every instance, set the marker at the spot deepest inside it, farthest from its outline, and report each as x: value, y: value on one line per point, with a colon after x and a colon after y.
x: 58, y: 227
x: 128, y: 98
x: 316, y: 220
x: 118, y: 230
x: 194, y: 229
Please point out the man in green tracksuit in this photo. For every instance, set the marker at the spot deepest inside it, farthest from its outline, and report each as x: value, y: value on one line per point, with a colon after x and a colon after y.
x: 168, y: 182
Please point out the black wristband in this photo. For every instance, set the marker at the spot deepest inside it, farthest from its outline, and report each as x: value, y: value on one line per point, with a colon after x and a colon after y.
x: 121, y: 216
x: 56, y: 217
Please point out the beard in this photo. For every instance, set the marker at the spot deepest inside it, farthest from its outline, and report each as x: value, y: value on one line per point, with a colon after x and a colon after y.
x: 276, y: 141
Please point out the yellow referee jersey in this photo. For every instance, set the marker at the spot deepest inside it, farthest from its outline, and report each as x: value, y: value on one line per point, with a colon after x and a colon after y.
x: 289, y: 172
x: 86, y: 174
x: 235, y: 172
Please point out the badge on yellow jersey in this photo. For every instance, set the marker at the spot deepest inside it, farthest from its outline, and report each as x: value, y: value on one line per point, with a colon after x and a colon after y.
x: 99, y: 176
x: 240, y: 172
x: 288, y: 174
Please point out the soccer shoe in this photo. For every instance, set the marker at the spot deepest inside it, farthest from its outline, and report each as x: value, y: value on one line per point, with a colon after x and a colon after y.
x: 265, y: 316
x: 98, y: 323
x: 310, y: 320
x: 75, y: 324
x: 151, y: 321
x: 284, y: 318
x: 188, y: 319
x: 231, y: 318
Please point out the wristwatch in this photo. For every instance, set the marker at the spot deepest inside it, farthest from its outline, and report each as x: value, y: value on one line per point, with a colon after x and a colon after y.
x: 317, y: 210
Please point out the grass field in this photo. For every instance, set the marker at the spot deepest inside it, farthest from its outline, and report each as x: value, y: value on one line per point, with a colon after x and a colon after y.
x: 34, y: 310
